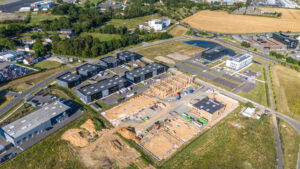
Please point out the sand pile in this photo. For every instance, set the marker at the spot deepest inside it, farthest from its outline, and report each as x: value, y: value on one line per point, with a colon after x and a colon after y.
x: 90, y: 127
x: 76, y: 137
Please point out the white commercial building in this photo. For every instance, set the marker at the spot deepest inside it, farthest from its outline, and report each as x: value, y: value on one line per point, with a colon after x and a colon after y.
x: 239, y: 61
x: 156, y: 24
x: 28, y: 126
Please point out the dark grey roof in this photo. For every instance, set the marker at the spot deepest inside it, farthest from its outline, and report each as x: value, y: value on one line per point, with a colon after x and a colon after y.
x: 215, y: 50
x: 109, y: 59
x: 209, y: 105
x: 286, y: 36
x: 126, y: 54
x: 32, y: 120
x: 68, y: 77
x: 88, y: 67
x: 101, y: 85
x: 145, y: 69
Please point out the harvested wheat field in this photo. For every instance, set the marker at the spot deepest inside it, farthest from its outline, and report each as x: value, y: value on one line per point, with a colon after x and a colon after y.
x: 223, y: 22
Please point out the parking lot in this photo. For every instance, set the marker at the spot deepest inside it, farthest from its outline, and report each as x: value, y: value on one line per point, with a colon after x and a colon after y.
x: 9, y: 71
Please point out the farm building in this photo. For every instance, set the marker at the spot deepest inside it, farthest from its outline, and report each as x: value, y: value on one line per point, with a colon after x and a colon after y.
x: 88, y: 70
x: 102, y: 88
x: 127, y: 56
x: 143, y: 73
x: 68, y: 80
x: 239, y: 61
x: 209, y: 109
x: 109, y: 62
x: 291, y: 43
x: 214, y: 54
x: 28, y: 126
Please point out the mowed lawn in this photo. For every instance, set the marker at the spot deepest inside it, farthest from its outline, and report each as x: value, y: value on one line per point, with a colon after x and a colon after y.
x: 225, y: 146
x: 286, y: 83
x: 35, y: 19
x: 101, y: 36
x: 290, y: 144
x: 47, y: 64
x: 132, y: 23
x: 217, y: 21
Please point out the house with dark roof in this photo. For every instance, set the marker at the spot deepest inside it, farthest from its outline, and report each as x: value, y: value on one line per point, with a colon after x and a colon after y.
x: 143, y: 73
x: 109, y: 62
x: 68, y: 80
x: 127, y: 56
x: 88, y: 70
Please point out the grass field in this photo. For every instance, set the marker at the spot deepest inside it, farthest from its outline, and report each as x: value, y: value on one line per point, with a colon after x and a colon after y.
x: 4, y: 100
x: 35, y: 19
x: 286, y: 84
x: 164, y: 49
x: 47, y: 64
x: 226, y: 146
x: 290, y: 144
x: 223, y: 22
x: 177, y: 30
x: 132, y: 23
x: 101, y: 36
x: 257, y: 95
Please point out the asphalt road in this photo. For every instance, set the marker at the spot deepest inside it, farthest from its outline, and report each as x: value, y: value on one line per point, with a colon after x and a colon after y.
x: 15, y: 5
x: 29, y: 91
x: 277, y: 137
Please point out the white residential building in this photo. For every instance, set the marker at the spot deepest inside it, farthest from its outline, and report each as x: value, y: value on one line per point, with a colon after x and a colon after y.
x: 156, y: 24
x: 239, y: 61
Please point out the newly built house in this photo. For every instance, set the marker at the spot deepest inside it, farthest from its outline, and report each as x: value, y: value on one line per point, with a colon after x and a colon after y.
x: 239, y: 61
x: 28, y: 126
x: 102, y: 88
x: 109, y: 62
x: 127, y: 56
x: 88, y: 70
x: 209, y: 109
x: 68, y: 80
x: 143, y: 73
x: 156, y: 24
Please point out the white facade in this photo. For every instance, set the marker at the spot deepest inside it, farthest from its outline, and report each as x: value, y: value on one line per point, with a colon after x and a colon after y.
x: 239, y: 61
x: 156, y: 24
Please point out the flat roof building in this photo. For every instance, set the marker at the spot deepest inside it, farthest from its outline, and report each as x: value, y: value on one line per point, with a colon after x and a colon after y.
x: 109, y: 62
x: 209, y: 109
x: 102, y: 88
x: 214, y: 54
x: 143, y: 73
x: 239, y: 61
x: 267, y: 44
x: 127, y: 56
x: 88, y: 70
x: 68, y: 80
x: 290, y: 42
x: 34, y: 123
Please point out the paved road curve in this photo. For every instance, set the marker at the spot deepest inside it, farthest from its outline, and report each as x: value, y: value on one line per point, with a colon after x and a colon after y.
x: 29, y: 91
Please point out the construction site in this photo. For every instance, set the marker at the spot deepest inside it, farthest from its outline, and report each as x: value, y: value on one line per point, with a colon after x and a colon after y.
x: 170, y: 113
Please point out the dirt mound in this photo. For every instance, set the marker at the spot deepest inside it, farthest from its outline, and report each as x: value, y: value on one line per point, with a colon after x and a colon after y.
x: 108, y: 151
x: 128, y: 133
x: 90, y: 127
x: 76, y: 137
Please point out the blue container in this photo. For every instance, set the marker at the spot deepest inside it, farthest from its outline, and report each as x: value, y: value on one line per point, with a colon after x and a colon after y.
x: 178, y: 98
x: 191, y: 91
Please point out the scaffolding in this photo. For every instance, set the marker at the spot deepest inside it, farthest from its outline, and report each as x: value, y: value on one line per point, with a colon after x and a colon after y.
x: 170, y: 85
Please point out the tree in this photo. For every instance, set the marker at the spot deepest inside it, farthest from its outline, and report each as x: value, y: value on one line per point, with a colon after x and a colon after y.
x: 246, y: 44
x: 39, y: 48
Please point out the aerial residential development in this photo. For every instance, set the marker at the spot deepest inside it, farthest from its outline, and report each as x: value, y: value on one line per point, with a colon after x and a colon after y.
x: 163, y: 84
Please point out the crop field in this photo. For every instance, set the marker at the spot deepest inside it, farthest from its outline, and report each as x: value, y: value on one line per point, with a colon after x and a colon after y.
x: 286, y: 84
x: 223, y: 22
x: 290, y: 144
x: 236, y: 142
